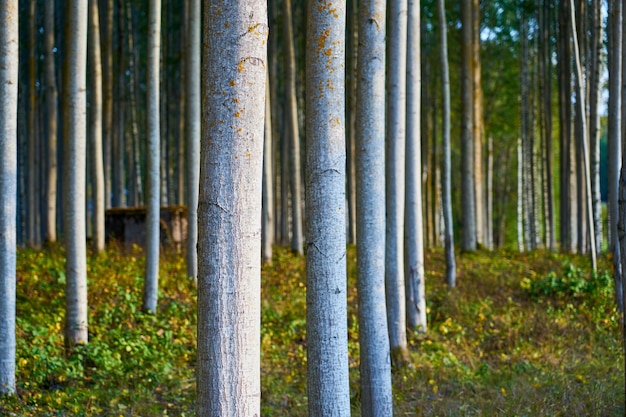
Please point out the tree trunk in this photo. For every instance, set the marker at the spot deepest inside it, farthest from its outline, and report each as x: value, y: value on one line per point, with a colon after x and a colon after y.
x: 192, y: 114
x: 75, y: 136
x: 229, y: 210
x: 267, y: 225
x: 565, y: 120
x: 413, y: 228
x: 395, y: 176
x: 585, y: 141
x: 153, y: 208
x: 375, y: 366
x: 468, y: 195
x: 107, y: 91
x: 95, y: 125
x: 594, y: 85
x: 293, y: 136
x: 477, y: 125
x: 51, y: 122
x: 34, y: 238
x: 352, y: 44
x: 326, y: 313
x: 447, y: 170
x: 119, y: 177
x: 614, y: 139
x: 9, y: 57
x: 520, y: 196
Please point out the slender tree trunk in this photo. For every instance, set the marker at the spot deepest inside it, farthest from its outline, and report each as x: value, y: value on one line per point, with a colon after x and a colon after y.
x: 267, y: 225
x: 9, y: 57
x: 585, y: 149
x: 395, y: 176
x: 352, y: 43
x: 119, y: 183
x: 370, y: 192
x: 413, y: 228
x: 520, y: 196
x: 95, y: 125
x: 192, y: 114
x: 153, y: 209
x: 34, y: 239
x: 447, y: 170
x: 326, y: 321
x: 594, y: 82
x: 52, y: 103
x: 468, y: 195
x: 477, y: 125
x: 75, y: 136
x: 135, y: 184
x: 107, y: 92
x: 489, y: 217
x: 291, y: 124
x: 546, y: 59
x: 229, y: 211
x: 565, y: 117
x: 614, y: 139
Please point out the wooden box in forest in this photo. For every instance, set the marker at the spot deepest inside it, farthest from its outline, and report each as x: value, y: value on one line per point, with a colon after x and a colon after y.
x: 128, y: 226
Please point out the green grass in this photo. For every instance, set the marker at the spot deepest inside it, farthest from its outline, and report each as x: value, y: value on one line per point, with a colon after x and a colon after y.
x: 522, y: 335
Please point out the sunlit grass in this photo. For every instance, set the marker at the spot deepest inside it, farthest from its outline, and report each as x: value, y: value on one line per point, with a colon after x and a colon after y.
x: 521, y: 335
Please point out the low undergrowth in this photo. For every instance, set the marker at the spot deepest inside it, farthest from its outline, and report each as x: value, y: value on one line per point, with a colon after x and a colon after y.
x: 522, y: 335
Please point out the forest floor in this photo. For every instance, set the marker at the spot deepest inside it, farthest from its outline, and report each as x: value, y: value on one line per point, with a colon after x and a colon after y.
x: 530, y: 334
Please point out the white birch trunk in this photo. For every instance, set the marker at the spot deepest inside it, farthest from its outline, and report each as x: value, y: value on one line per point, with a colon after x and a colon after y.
x: 395, y: 176
x: 594, y: 86
x: 376, y: 394
x: 229, y: 211
x: 585, y: 137
x: 153, y: 209
x: 327, y: 352
x: 413, y: 228
x: 446, y: 189
x: 9, y: 57
x: 95, y: 126
x: 75, y: 128
x: 192, y: 114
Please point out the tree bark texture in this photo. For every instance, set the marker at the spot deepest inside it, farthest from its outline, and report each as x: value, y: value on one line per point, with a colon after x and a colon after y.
x: 326, y: 321
x: 395, y: 136
x: 267, y: 225
x: 9, y: 57
x: 446, y: 179
x: 413, y: 228
x: 95, y: 125
x: 52, y: 103
x: 153, y: 207
x: 375, y: 366
x: 229, y: 211
x: 75, y: 137
x: 192, y: 115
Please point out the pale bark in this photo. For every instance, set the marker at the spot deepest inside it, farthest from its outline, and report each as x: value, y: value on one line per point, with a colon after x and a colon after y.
x: 614, y: 139
x: 468, y: 196
x: 395, y: 136
x: 51, y: 121
x: 585, y: 137
x: 267, y: 225
x: 153, y: 208
x: 413, y: 228
x: 95, y: 126
x: 229, y: 210
x: 75, y: 136
x: 293, y: 135
x: 489, y: 217
x: 376, y: 394
x: 326, y: 321
x: 192, y: 114
x: 9, y: 57
x: 594, y: 85
x: 446, y: 180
